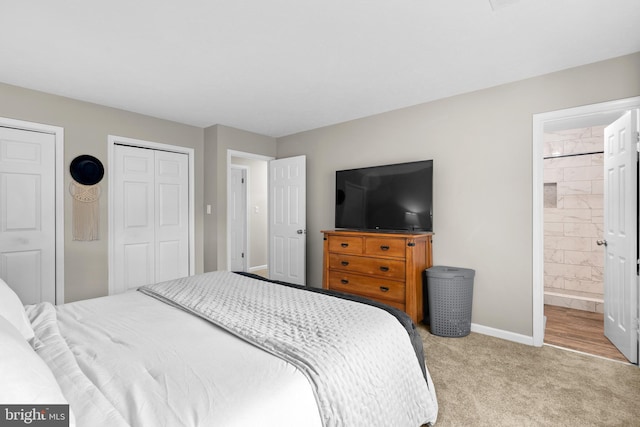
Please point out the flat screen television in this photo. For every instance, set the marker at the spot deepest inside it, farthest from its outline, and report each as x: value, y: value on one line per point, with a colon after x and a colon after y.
x: 397, y: 197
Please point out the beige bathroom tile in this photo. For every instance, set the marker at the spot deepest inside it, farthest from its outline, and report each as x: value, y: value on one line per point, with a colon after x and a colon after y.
x: 592, y: 259
x: 597, y: 186
x: 553, y: 283
x: 569, y: 302
x: 582, y: 201
x: 575, y: 272
x: 584, y: 145
x: 588, y: 288
x: 553, y: 175
x: 599, y: 307
x: 552, y: 255
x: 568, y: 243
x: 583, y: 173
x: 555, y: 300
x: 597, y: 274
x: 554, y: 229
x: 581, y: 230
x: 597, y: 159
x: 598, y: 131
x: 567, y: 215
x: 574, y: 187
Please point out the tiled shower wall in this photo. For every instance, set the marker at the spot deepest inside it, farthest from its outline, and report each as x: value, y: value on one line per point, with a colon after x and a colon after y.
x: 573, y: 218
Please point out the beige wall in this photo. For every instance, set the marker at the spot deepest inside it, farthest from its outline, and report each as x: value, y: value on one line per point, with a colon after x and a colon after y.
x: 86, y: 128
x: 481, y: 144
x: 217, y: 141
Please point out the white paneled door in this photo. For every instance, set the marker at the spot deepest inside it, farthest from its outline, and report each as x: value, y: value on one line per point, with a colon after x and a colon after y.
x: 238, y: 219
x: 287, y: 219
x: 621, y: 234
x: 27, y: 214
x: 150, y: 216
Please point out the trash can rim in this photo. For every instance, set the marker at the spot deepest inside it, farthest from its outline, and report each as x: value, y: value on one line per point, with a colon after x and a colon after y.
x: 444, y: 271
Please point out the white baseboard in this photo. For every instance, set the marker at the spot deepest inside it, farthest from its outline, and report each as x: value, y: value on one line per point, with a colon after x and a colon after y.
x: 257, y: 268
x: 499, y: 333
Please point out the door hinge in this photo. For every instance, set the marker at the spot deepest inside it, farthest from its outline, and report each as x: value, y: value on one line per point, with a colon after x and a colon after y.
x: 242, y: 181
x: 242, y: 254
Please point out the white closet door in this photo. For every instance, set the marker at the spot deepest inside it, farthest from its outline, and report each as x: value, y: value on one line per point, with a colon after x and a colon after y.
x: 171, y: 215
x: 151, y: 216
x: 27, y: 214
x: 134, y: 217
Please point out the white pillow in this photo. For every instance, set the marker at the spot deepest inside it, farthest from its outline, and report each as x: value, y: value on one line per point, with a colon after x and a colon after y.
x: 11, y: 308
x: 24, y: 377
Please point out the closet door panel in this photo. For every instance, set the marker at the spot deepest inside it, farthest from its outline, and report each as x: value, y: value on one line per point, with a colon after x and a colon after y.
x: 134, y: 217
x: 172, y: 210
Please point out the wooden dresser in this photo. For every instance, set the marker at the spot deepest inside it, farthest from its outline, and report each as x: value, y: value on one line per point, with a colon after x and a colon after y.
x: 386, y: 267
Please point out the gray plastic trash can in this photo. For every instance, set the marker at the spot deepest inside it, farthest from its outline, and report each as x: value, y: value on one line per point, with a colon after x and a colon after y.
x: 450, y: 294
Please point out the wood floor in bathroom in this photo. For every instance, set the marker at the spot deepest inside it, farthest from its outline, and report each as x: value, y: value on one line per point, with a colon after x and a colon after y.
x: 579, y: 330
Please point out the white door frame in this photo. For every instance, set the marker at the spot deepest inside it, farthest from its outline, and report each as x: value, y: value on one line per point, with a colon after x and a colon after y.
x: 539, y: 122
x: 58, y: 133
x: 112, y: 140
x: 245, y: 155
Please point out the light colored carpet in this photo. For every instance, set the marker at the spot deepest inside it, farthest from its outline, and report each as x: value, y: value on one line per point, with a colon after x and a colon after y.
x: 486, y: 381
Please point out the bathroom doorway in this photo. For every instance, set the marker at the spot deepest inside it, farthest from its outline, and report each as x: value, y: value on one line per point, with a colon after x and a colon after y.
x: 248, y: 247
x: 568, y: 225
x: 573, y: 223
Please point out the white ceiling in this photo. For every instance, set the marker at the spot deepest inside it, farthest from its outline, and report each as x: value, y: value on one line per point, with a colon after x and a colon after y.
x: 279, y: 67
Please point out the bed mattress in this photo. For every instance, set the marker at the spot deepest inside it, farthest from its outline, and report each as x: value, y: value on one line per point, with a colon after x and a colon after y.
x: 129, y: 359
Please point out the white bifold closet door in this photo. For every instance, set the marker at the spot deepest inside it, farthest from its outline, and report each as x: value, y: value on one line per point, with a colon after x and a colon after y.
x: 150, y: 216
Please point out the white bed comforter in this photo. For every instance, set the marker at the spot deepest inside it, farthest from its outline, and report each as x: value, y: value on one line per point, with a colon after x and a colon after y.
x: 358, y: 358
x: 129, y: 359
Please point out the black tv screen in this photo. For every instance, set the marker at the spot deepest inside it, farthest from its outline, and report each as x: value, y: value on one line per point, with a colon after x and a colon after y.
x: 396, y: 197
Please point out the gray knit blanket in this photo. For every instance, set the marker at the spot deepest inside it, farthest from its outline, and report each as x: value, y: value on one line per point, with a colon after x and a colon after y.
x: 358, y: 358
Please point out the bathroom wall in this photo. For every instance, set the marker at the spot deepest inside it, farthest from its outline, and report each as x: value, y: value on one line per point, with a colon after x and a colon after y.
x: 573, y: 218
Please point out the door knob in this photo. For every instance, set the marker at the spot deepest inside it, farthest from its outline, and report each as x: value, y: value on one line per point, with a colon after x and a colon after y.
x: 601, y: 242
x: 300, y: 231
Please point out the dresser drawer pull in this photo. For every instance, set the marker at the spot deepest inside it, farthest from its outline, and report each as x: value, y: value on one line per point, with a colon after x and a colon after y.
x: 384, y: 289
x: 384, y: 268
x: 384, y: 247
x: 344, y: 245
x: 344, y: 281
x: 345, y: 263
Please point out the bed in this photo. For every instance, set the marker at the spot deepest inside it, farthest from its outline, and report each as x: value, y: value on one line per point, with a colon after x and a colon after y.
x: 217, y: 349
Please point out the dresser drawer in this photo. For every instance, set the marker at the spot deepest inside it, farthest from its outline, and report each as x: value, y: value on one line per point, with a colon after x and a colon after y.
x: 391, y: 268
x: 345, y: 244
x: 381, y: 289
x: 382, y: 246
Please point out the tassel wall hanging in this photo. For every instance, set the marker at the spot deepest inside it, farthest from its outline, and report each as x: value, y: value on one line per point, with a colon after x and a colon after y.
x: 86, y: 211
